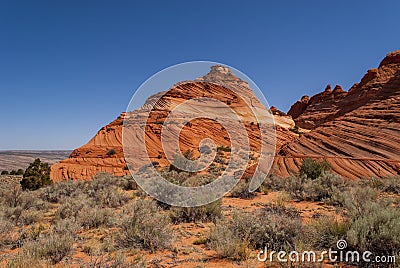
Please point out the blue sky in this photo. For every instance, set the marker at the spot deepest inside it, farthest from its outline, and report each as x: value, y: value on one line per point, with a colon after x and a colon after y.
x: 69, y: 67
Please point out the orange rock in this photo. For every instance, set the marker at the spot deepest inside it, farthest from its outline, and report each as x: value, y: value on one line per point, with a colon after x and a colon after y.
x: 357, y: 132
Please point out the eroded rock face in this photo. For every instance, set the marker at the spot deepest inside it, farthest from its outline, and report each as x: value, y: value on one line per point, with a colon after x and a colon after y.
x: 357, y: 132
x: 104, y: 152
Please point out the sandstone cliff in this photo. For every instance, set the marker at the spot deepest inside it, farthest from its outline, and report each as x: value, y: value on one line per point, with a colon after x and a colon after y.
x: 104, y: 152
x: 356, y: 131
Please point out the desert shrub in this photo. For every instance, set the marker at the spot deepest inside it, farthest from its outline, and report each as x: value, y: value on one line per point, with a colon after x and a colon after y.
x: 377, y: 231
x: 223, y: 148
x: 197, y: 180
x: 241, y: 190
x: 24, y: 260
x: 273, y: 225
x: 388, y: 185
x: 36, y: 176
x: 327, y: 187
x: 205, y: 213
x: 93, y: 217
x: 145, y: 225
x: 181, y: 163
x: 7, y: 235
x: 205, y: 149
x: 296, y: 130
x: 220, y: 159
x: 324, y: 232
x: 66, y: 226
x: 29, y: 233
x: 228, y: 244
x: 174, y: 176
x: 128, y: 183
x: 105, y: 190
x: 21, y: 208
x: 19, y: 172
x: 102, y: 180
x: 312, y: 169
x: 373, y: 222
x: 274, y: 183
x: 110, y: 197
x: 61, y: 190
x: 101, y: 259
x: 17, y: 198
x: 70, y: 207
x: 29, y: 216
x: 111, y: 152
x: 4, y: 172
x: 357, y: 200
x: 53, y: 246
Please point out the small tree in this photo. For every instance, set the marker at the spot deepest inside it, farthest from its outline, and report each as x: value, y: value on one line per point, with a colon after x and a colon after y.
x: 111, y: 152
x: 312, y: 169
x: 36, y: 176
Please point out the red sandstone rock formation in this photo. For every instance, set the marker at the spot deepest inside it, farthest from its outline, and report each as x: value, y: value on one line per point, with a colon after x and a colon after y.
x: 104, y: 152
x: 357, y: 132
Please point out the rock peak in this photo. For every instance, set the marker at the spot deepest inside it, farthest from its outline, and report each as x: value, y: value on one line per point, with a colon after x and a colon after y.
x: 338, y: 89
x: 219, y: 73
x: 391, y: 58
x: 221, y: 69
x: 328, y: 88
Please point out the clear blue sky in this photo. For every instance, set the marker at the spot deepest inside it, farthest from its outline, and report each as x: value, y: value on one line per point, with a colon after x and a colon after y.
x: 69, y: 67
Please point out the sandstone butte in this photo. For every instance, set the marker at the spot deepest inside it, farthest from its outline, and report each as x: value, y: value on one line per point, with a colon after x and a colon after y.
x: 356, y: 131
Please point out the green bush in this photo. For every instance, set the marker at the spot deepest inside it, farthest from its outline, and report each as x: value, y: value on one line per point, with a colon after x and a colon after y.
x: 312, y: 169
x: 296, y: 130
x: 36, y: 176
x: 223, y: 148
x: 111, y: 152
x: 327, y: 187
